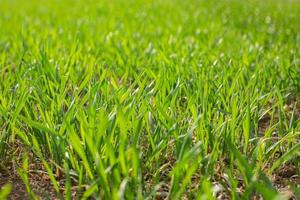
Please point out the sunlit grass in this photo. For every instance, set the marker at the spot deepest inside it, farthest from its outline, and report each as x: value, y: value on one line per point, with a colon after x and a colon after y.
x: 152, y: 99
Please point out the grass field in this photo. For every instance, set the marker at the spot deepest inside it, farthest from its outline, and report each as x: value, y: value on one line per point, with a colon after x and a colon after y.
x: 148, y: 99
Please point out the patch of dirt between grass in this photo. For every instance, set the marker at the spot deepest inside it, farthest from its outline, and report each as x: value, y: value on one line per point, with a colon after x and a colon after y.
x: 39, y: 180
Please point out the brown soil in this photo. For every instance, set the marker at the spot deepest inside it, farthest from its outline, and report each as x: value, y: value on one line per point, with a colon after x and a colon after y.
x: 39, y: 181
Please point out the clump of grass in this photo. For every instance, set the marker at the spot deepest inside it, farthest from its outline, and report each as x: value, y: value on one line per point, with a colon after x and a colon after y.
x: 152, y: 99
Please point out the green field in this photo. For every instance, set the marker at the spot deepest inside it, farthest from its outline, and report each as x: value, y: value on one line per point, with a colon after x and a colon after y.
x: 150, y: 99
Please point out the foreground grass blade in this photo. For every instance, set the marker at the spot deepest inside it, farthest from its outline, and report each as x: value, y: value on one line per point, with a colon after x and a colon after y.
x: 5, y: 191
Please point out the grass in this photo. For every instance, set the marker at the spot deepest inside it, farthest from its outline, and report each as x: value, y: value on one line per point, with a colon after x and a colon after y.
x: 151, y: 99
